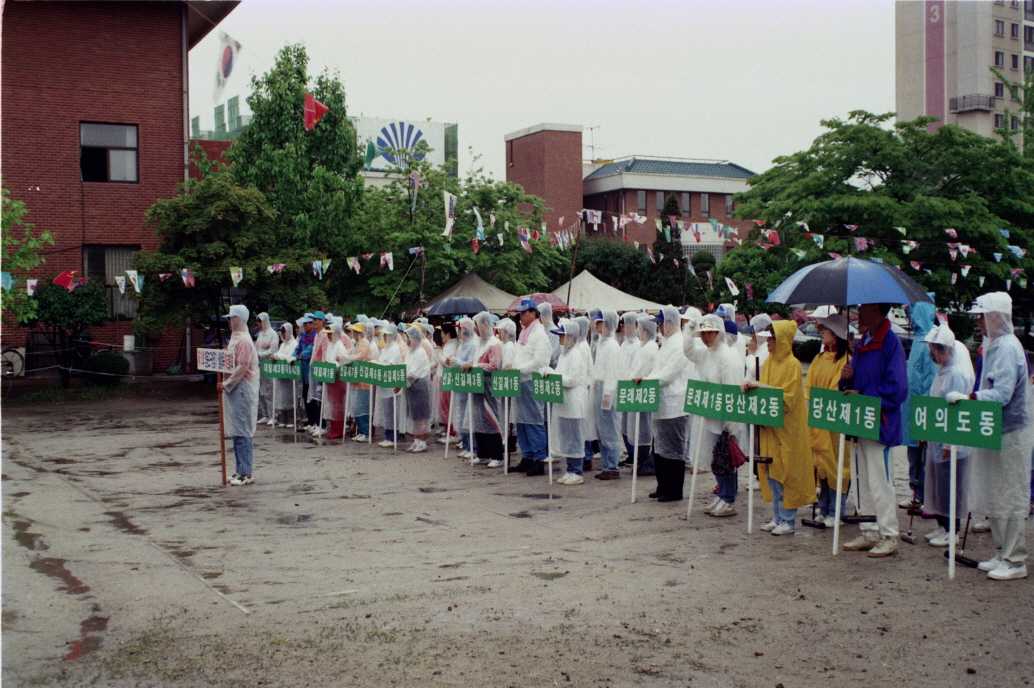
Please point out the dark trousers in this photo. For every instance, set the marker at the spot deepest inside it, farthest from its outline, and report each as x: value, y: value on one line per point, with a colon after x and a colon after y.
x: 671, y: 476
x: 312, y: 412
x: 489, y: 445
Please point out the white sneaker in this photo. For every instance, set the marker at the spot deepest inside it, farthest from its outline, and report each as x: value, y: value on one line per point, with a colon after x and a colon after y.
x: 385, y: 444
x: 575, y: 479
x: 711, y: 507
x: 270, y: 422
x: 907, y: 503
x: 597, y: 456
x: 884, y: 547
x: 783, y: 529
x: 769, y: 527
x: 495, y: 463
x: 360, y: 438
x: 551, y: 459
x: 284, y: 425
x: 262, y: 420
x: 935, y: 533
x: 1008, y: 572
x: 992, y: 563
x: 563, y: 479
x: 724, y: 509
x: 755, y: 484
x: 420, y: 447
x: 944, y: 540
x: 980, y: 527
x: 861, y: 543
x: 829, y: 521
x: 319, y: 432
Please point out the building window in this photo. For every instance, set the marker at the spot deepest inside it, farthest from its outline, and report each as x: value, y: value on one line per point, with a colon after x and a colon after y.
x: 999, y: 121
x: 642, y: 203
x: 1028, y: 62
x: 1016, y: 31
x: 105, y: 263
x: 999, y: 58
x: 705, y: 205
x: 108, y: 152
x: 1028, y: 35
x: 999, y: 89
x: 660, y: 202
x: 1014, y: 123
x: 606, y: 199
x: 687, y: 207
x: 1015, y: 61
x: 729, y: 206
x: 999, y: 27
x: 619, y: 206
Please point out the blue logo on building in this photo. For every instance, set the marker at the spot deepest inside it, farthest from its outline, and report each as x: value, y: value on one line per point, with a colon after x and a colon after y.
x: 400, y: 137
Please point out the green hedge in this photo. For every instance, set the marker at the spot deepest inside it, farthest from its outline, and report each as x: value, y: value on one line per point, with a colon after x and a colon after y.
x: 105, y: 368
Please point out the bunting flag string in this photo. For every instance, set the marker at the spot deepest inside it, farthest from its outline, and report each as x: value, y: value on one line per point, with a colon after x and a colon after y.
x: 136, y: 279
x: 388, y: 259
x: 415, y: 178
x: 121, y: 282
x: 30, y: 286
x: 236, y: 275
x: 450, y: 213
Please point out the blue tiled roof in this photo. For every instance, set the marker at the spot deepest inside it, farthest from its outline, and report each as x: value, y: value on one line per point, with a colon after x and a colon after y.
x: 725, y: 170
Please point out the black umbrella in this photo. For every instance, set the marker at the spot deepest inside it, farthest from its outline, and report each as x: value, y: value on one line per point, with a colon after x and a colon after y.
x: 848, y: 282
x: 457, y: 305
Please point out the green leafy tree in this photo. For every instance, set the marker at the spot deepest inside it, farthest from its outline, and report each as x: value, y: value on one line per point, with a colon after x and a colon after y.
x: 62, y: 316
x: 212, y: 225
x: 386, y: 222
x: 309, y: 178
x: 665, y: 283
x: 20, y: 248
x: 753, y: 265
x: 861, y: 172
x: 1023, y: 93
x: 615, y: 262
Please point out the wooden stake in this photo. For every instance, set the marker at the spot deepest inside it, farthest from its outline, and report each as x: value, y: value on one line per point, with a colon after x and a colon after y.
x: 222, y: 431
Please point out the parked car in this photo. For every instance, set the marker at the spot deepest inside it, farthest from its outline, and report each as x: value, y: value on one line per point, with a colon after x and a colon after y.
x: 809, y: 332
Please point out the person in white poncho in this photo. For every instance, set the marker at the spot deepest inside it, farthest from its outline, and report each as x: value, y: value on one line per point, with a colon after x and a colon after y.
x: 288, y: 392
x: 240, y: 395
x: 998, y: 479
x: 266, y: 344
x: 418, y: 391
x: 565, y: 439
x: 606, y: 372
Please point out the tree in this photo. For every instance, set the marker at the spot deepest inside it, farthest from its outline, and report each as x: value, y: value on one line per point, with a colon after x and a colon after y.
x: 62, y: 316
x: 1023, y: 93
x: 666, y: 283
x: 213, y: 225
x: 385, y: 222
x: 888, y: 180
x: 19, y: 254
x: 615, y: 262
x: 309, y: 178
x: 761, y: 269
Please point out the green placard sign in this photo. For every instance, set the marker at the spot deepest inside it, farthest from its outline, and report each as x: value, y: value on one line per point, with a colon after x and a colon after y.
x: 506, y: 383
x: 393, y: 376
x: 463, y: 381
x: 760, y: 406
x: 966, y: 423
x: 856, y: 415
x: 324, y: 372
x: 642, y: 398
x: 549, y: 388
x: 282, y: 370
x: 346, y: 372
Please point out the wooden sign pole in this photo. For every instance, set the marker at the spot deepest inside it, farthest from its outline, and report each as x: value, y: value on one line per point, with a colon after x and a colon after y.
x: 222, y: 431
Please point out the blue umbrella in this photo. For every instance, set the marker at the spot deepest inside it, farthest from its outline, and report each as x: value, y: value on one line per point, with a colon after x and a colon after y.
x: 457, y: 305
x: 848, y: 282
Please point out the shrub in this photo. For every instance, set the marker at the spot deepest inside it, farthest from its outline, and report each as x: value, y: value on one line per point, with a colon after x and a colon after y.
x: 105, y: 368
x: 808, y: 350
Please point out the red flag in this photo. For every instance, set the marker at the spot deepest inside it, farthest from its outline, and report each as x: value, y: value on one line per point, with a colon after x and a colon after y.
x: 474, y: 242
x: 314, y: 111
x: 66, y: 279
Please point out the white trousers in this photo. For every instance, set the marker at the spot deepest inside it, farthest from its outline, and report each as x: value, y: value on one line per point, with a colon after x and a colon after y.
x: 1010, y: 536
x: 876, y: 490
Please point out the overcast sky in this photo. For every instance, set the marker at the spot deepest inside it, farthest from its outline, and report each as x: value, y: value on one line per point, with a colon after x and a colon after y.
x: 730, y: 80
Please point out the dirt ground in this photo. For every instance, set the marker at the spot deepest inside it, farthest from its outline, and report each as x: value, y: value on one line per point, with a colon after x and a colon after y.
x: 127, y: 563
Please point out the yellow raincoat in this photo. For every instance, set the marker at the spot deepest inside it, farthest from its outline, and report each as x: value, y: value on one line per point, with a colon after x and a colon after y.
x: 825, y: 373
x: 792, y: 462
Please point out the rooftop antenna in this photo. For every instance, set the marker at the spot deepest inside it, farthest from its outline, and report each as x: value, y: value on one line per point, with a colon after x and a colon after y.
x: 592, y: 140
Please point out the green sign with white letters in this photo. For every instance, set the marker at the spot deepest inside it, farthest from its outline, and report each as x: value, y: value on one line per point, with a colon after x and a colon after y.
x: 856, y: 415
x: 967, y: 423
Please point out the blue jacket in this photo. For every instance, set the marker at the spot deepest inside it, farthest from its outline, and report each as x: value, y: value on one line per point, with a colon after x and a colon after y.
x: 879, y: 371
x: 921, y: 368
x: 303, y: 352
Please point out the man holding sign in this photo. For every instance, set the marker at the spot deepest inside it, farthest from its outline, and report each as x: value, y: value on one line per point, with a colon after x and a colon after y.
x: 240, y: 392
x: 998, y: 479
x: 878, y: 370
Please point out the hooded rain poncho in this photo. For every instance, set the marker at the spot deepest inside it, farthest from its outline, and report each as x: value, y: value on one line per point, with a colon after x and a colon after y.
x: 566, y: 439
x: 418, y: 378
x: 242, y: 385
x: 486, y: 410
x: 824, y: 373
x: 921, y: 368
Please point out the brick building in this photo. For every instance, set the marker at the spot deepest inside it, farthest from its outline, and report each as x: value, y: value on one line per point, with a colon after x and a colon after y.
x: 94, y: 131
x: 546, y: 160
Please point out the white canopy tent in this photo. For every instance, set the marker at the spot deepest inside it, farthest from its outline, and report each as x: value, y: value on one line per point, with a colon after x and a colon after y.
x: 588, y: 291
x: 496, y: 300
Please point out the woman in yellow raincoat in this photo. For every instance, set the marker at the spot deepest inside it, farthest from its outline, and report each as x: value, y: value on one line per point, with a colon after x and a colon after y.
x: 825, y: 373
x: 789, y: 481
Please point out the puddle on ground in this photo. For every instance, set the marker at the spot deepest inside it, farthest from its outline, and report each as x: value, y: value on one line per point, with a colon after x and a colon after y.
x: 21, y: 494
x: 119, y: 520
x: 291, y: 520
x: 541, y: 495
x: 55, y: 568
x: 182, y: 553
x: 549, y: 576
x: 211, y: 574
x: 23, y: 537
x: 194, y: 492
x: 61, y: 461
x: 433, y: 489
x: 521, y: 514
x: 431, y: 521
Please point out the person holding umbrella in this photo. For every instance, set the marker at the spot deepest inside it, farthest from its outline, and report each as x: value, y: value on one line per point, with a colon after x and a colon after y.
x: 878, y: 370
x: 998, y: 479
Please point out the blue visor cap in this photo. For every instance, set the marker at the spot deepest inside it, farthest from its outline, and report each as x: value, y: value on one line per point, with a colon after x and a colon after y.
x: 527, y: 305
x: 730, y: 327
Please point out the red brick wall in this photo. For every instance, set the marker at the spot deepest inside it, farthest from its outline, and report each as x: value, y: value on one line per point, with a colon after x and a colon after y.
x: 109, y: 62
x: 213, y: 149
x: 548, y: 164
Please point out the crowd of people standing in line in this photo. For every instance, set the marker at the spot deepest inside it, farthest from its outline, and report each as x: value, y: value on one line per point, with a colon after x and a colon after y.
x: 593, y: 352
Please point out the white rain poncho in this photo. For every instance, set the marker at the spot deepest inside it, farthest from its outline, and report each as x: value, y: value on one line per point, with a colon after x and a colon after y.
x: 546, y: 318
x: 642, y: 364
x: 532, y: 356
x: 384, y: 415
x: 335, y: 353
x: 507, y: 335
x: 240, y: 387
x: 722, y: 365
x: 594, y: 336
x: 589, y: 419
x: 565, y: 438
x: 692, y: 347
x: 606, y: 371
x: 359, y: 392
x: 672, y: 370
x: 466, y: 354
x: 486, y: 411
x: 999, y: 481
x: 266, y: 343
x: 629, y: 343
x: 954, y: 375
x: 418, y: 377
x: 753, y: 363
x: 287, y: 391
